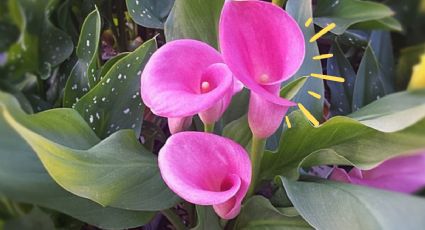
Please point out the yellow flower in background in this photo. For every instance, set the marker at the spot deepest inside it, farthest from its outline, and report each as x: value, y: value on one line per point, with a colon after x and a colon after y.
x: 422, y: 7
x: 418, y: 76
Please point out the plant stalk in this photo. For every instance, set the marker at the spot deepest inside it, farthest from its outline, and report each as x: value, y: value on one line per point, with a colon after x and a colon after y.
x: 209, y: 128
x: 174, y: 219
x: 279, y: 3
x: 257, y: 150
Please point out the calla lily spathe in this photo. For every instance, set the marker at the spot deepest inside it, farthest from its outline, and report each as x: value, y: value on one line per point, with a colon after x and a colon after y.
x: 263, y: 46
x: 206, y: 169
x: 404, y: 174
x: 184, y: 78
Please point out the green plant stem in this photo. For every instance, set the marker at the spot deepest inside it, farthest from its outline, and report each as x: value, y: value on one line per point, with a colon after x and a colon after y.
x: 257, y: 150
x: 174, y: 219
x: 279, y: 2
x: 209, y: 128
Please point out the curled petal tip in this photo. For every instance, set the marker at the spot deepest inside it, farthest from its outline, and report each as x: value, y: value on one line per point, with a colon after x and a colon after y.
x: 206, y: 169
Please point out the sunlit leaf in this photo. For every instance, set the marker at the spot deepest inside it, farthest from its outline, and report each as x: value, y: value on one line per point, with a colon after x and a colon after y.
x: 370, y: 137
x: 331, y: 205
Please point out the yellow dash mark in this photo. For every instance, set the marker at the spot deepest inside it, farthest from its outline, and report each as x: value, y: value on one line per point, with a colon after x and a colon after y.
x: 323, y: 56
x: 322, y: 32
x: 309, y: 116
x: 308, y: 22
x: 313, y: 94
x: 288, y: 122
x: 328, y: 77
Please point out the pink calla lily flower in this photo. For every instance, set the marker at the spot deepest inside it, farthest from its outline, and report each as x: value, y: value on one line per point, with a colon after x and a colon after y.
x: 404, y: 174
x: 206, y: 169
x: 184, y: 78
x: 263, y: 46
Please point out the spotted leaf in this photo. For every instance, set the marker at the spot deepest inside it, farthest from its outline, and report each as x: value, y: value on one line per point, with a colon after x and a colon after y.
x: 114, y: 103
x: 83, y: 75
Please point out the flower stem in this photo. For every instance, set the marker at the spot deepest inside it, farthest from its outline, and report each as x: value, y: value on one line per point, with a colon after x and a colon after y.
x: 278, y: 2
x: 257, y: 150
x: 209, y: 128
x: 174, y: 219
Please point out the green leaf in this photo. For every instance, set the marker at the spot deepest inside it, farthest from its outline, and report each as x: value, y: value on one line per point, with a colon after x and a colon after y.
x: 346, y: 13
x: 24, y: 179
x: 372, y: 82
x: 393, y: 112
x: 331, y: 205
x: 238, y: 107
x: 341, y: 93
x: 36, y: 219
x: 114, y: 103
x: 83, y: 76
x: 381, y: 44
x: 347, y: 141
x: 207, y: 219
x: 388, y: 23
x: 116, y: 172
x: 290, y: 90
x: 259, y: 213
x: 302, y: 11
x: 239, y: 131
x: 194, y: 19
x: 41, y: 45
x: 149, y: 13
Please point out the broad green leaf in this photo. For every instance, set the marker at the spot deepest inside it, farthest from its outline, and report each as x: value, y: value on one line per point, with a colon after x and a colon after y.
x: 24, y: 179
x: 388, y: 23
x: 347, y: 141
x: 372, y: 83
x: 116, y: 172
x: 290, y: 90
x: 258, y: 213
x: 83, y: 76
x: 408, y: 58
x: 207, y: 219
x: 331, y: 205
x: 195, y: 19
x: 35, y: 219
x: 341, y: 94
x: 41, y: 46
x: 239, y: 131
x: 393, y: 112
x: 114, y: 103
x: 149, y: 13
x: 238, y: 107
x: 301, y: 10
x: 345, y: 13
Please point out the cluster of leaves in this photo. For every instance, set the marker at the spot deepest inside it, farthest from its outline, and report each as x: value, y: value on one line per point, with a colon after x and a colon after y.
x: 77, y: 140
